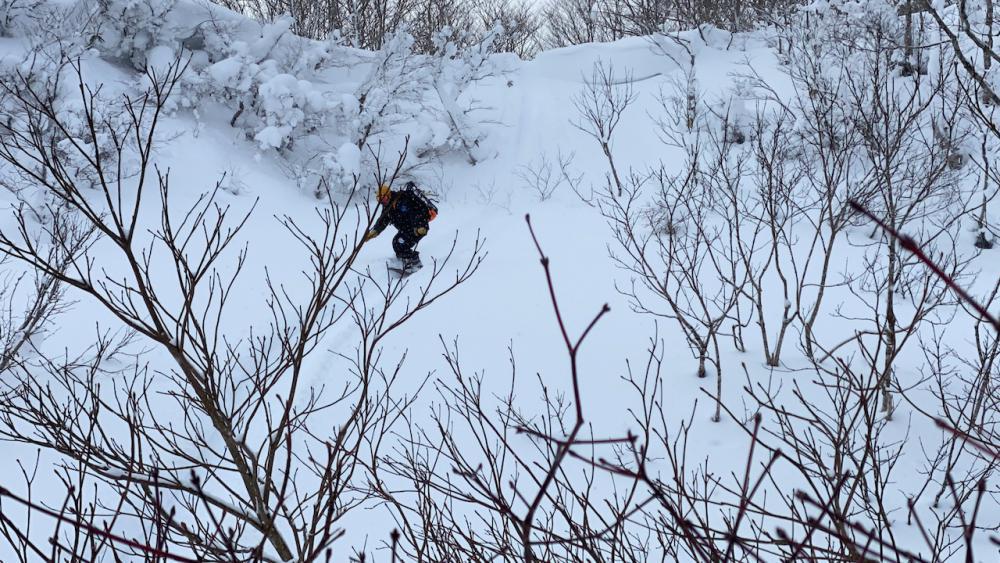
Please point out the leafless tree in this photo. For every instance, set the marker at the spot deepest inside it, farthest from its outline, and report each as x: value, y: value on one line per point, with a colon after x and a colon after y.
x: 432, y: 17
x: 601, y: 105
x: 362, y: 23
x: 625, y: 18
x: 682, y: 260
x: 367, y: 23
x: 824, y: 148
x: 519, y: 24
x: 969, y: 29
x: 571, y: 22
x: 916, y: 180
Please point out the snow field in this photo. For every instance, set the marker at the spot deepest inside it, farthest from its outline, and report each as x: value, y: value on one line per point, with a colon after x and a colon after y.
x: 506, y: 303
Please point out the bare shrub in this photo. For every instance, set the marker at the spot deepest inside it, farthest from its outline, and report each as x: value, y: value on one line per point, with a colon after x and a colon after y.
x: 572, y: 22
x: 601, y: 106
x: 519, y: 25
x: 544, y: 177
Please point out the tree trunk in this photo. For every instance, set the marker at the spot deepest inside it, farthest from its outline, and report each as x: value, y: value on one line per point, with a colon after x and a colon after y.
x: 702, y: 356
x: 908, y: 39
x: 988, y: 47
x: 885, y: 380
x: 718, y: 380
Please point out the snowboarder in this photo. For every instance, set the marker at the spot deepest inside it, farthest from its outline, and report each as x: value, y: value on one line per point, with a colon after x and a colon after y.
x: 410, y: 211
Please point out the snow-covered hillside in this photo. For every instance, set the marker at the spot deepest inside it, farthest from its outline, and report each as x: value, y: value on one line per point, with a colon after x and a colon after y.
x: 286, y: 385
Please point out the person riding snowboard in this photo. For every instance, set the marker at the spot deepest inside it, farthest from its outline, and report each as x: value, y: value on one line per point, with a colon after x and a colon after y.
x: 410, y: 211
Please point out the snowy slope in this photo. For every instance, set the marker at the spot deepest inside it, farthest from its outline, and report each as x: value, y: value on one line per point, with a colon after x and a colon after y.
x: 506, y: 303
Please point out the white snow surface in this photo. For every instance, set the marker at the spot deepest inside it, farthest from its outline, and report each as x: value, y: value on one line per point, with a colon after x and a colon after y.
x: 506, y: 303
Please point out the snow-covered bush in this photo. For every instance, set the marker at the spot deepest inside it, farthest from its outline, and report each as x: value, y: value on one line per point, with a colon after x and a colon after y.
x: 62, y: 121
x: 454, y: 70
x: 343, y: 165
x: 286, y: 104
x: 391, y: 94
x: 13, y: 12
x: 320, y: 105
x: 689, y: 114
x: 258, y: 80
x: 420, y: 96
x: 127, y: 29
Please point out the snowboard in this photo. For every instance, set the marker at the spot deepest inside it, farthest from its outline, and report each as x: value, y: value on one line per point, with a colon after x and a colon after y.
x: 402, y: 272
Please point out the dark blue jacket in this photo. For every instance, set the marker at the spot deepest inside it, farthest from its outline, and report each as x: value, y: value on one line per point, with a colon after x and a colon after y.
x: 405, y: 211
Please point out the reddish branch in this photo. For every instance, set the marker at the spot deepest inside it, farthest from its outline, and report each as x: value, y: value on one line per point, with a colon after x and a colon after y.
x: 565, y: 446
x: 95, y: 530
